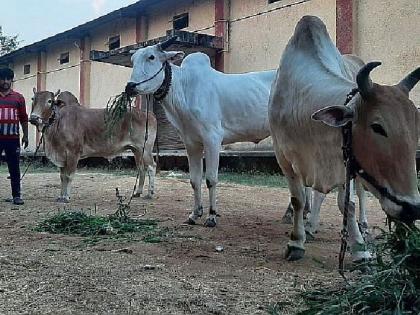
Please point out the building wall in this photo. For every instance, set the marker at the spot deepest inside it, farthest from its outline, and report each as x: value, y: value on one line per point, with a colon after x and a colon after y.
x: 201, y: 15
x: 24, y: 84
x: 388, y: 31
x: 63, y: 76
x: 106, y: 81
x: 125, y: 27
x: 257, y: 43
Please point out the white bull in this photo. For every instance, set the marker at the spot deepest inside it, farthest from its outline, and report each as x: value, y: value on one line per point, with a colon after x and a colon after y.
x: 311, y: 88
x: 207, y: 107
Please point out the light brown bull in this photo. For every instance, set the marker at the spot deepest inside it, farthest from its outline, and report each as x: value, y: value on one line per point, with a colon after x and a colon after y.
x: 306, y: 112
x: 73, y: 132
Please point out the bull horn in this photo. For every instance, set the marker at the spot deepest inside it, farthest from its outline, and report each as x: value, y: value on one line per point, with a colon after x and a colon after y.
x: 410, y: 80
x: 364, y: 83
x: 167, y: 43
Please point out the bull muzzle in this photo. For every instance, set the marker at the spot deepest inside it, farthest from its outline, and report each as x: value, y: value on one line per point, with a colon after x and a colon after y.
x: 34, y: 120
x: 37, y: 122
x: 130, y: 89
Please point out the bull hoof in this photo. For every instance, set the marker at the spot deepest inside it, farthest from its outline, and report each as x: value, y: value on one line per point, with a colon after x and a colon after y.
x: 286, y: 219
x: 62, y: 200
x: 148, y: 197
x: 364, y: 229
x: 136, y: 195
x: 294, y: 253
x: 190, y: 222
x: 363, y: 265
x: 210, y: 222
x: 309, y: 236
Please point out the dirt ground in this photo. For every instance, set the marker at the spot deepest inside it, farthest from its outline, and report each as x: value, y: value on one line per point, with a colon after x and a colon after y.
x: 41, y: 273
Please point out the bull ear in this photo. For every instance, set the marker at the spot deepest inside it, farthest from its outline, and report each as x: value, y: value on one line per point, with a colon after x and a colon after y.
x: 59, y: 103
x: 34, y: 90
x: 173, y: 56
x: 334, y: 116
x: 56, y: 93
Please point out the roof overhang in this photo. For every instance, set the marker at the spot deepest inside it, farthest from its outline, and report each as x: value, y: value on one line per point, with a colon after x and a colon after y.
x: 78, y: 32
x: 186, y: 41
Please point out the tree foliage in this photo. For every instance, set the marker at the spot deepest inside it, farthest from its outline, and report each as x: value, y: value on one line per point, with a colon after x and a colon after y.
x: 7, y: 43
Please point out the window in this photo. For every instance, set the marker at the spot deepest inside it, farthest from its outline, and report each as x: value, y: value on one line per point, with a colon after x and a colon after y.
x: 64, y: 58
x: 272, y: 1
x: 26, y: 69
x: 180, y: 21
x: 114, y: 42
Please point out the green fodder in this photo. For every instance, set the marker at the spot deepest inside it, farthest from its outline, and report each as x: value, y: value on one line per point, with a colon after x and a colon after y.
x: 254, y: 179
x: 116, y: 108
x: 82, y: 224
x: 392, y: 288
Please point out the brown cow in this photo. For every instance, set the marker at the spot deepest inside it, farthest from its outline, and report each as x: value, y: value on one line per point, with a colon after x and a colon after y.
x: 73, y: 132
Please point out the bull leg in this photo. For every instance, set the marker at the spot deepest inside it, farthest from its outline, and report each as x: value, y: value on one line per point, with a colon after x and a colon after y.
x: 308, y: 202
x: 66, y: 177
x: 151, y: 170
x: 295, y: 247
x: 357, y: 244
x: 141, y: 174
x: 64, y: 186
x: 360, y: 191
x: 311, y: 226
x: 288, y: 215
x: 195, y: 164
x: 151, y: 174
x: 212, y: 152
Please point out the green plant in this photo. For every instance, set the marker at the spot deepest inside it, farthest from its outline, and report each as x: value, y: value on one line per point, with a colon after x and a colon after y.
x: 82, y: 224
x: 393, y: 287
x: 116, y: 108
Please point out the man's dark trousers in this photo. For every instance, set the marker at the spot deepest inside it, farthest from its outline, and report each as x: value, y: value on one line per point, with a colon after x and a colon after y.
x: 11, y: 147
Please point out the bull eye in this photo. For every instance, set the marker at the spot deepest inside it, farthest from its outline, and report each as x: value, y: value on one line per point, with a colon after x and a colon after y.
x: 151, y: 57
x: 377, y: 128
x: 49, y: 101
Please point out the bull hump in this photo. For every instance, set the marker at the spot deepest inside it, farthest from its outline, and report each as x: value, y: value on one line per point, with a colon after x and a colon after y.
x: 196, y: 59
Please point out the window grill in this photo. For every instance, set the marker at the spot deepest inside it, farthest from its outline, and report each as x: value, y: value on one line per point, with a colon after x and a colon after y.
x: 180, y: 21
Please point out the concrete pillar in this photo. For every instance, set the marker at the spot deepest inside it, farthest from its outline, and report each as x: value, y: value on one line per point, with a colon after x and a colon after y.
x: 85, y: 71
x: 221, y: 18
x: 41, y: 75
x: 41, y: 79
x: 141, y: 36
x: 345, y: 26
x: 141, y: 28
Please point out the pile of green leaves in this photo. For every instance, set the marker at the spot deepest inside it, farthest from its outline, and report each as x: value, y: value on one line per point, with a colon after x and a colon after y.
x: 82, y: 224
x: 116, y: 108
x: 392, y: 288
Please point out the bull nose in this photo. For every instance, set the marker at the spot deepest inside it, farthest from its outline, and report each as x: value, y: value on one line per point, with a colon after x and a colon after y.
x: 33, y: 119
x: 130, y: 89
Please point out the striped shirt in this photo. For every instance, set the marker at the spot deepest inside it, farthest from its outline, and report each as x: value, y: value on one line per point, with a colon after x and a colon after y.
x: 12, y: 111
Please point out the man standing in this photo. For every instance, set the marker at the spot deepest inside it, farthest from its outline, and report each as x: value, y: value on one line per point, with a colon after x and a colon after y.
x: 12, y: 111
